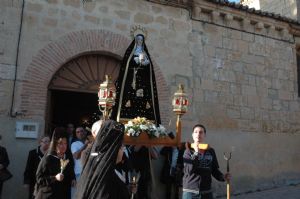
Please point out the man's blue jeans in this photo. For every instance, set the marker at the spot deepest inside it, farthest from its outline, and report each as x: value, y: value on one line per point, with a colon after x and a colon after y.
x: 189, y: 195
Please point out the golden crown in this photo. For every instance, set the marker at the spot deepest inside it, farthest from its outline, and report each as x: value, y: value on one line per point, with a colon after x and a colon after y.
x: 137, y: 29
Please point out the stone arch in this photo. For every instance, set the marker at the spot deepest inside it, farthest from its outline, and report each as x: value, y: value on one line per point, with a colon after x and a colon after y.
x: 39, y: 73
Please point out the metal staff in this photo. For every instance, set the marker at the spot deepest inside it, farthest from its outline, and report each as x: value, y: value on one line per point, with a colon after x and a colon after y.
x: 227, y: 180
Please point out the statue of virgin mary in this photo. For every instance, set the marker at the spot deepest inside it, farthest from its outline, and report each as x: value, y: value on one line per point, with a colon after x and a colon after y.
x: 136, y: 86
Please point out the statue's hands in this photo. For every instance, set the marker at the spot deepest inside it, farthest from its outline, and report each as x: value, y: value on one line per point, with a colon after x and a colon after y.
x: 136, y: 59
x: 145, y: 62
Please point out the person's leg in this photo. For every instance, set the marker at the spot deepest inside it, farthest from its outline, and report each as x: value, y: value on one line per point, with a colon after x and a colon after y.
x: 179, y: 192
x: 196, y: 196
x: 168, y: 190
x: 73, y: 189
x: 142, y: 190
x: 176, y: 192
x: 31, y: 190
x: 144, y: 186
x: 207, y: 196
x: 188, y: 195
x: 1, y: 185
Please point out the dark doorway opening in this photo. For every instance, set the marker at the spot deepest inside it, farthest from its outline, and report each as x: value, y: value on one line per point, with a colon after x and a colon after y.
x: 80, y: 109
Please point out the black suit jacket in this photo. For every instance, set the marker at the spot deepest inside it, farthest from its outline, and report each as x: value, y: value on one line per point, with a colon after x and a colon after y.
x: 34, y: 158
x: 3, y: 157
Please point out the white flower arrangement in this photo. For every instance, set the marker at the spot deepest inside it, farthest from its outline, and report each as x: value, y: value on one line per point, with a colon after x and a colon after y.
x: 138, y: 125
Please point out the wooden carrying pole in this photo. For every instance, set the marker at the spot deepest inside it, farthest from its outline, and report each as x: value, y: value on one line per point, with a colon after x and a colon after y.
x: 178, y: 130
x: 227, y: 180
x: 228, y: 190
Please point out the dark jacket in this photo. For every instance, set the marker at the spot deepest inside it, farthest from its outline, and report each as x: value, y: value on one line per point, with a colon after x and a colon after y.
x: 49, y: 188
x: 209, y: 167
x: 191, y: 172
x: 33, y: 160
x: 3, y: 157
x: 198, y: 169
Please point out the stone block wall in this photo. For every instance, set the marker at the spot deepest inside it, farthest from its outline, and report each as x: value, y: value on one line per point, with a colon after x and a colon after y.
x: 286, y: 8
x: 238, y: 69
x: 9, y: 30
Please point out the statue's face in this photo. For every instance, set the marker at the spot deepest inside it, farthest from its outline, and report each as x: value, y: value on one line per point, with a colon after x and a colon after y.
x: 139, y: 40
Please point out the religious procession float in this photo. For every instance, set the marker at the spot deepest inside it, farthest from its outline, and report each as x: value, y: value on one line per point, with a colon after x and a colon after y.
x: 133, y: 98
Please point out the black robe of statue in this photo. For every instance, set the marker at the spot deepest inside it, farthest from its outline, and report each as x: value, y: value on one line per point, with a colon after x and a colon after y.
x: 141, y: 101
x: 98, y: 178
x: 47, y: 186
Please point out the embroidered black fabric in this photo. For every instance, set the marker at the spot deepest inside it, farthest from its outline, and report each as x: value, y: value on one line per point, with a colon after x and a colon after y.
x: 143, y: 100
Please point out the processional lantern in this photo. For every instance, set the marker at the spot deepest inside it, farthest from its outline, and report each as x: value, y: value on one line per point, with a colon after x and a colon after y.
x: 180, y: 104
x: 180, y: 101
x: 106, y: 96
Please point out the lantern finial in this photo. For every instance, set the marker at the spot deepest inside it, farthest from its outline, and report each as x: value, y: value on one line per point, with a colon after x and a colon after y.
x: 180, y: 88
x: 107, y: 78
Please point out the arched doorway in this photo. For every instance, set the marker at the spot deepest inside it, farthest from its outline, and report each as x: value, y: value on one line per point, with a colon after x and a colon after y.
x: 72, y: 96
x: 34, y: 99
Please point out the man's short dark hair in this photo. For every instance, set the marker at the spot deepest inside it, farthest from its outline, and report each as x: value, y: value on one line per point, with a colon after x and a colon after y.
x: 201, y: 126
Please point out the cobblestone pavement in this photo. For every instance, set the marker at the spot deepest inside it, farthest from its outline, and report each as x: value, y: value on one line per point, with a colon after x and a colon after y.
x: 288, y: 192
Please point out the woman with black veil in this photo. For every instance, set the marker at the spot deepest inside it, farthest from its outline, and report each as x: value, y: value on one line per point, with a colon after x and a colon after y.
x: 136, y: 86
x: 55, y: 173
x: 99, y: 178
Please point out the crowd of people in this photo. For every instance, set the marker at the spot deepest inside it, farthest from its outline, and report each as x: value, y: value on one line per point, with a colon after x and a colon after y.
x: 74, y: 163
x: 77, y: 164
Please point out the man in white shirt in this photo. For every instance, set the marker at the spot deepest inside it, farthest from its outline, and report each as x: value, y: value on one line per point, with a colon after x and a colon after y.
x: 77, y: 147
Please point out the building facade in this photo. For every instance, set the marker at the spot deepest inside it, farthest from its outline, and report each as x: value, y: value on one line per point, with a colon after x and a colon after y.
x: 239, y: 69
x: 288, y: 8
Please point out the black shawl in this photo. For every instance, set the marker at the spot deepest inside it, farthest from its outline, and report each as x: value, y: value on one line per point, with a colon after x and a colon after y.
x: 146, y: 106
x: 98, y: 178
